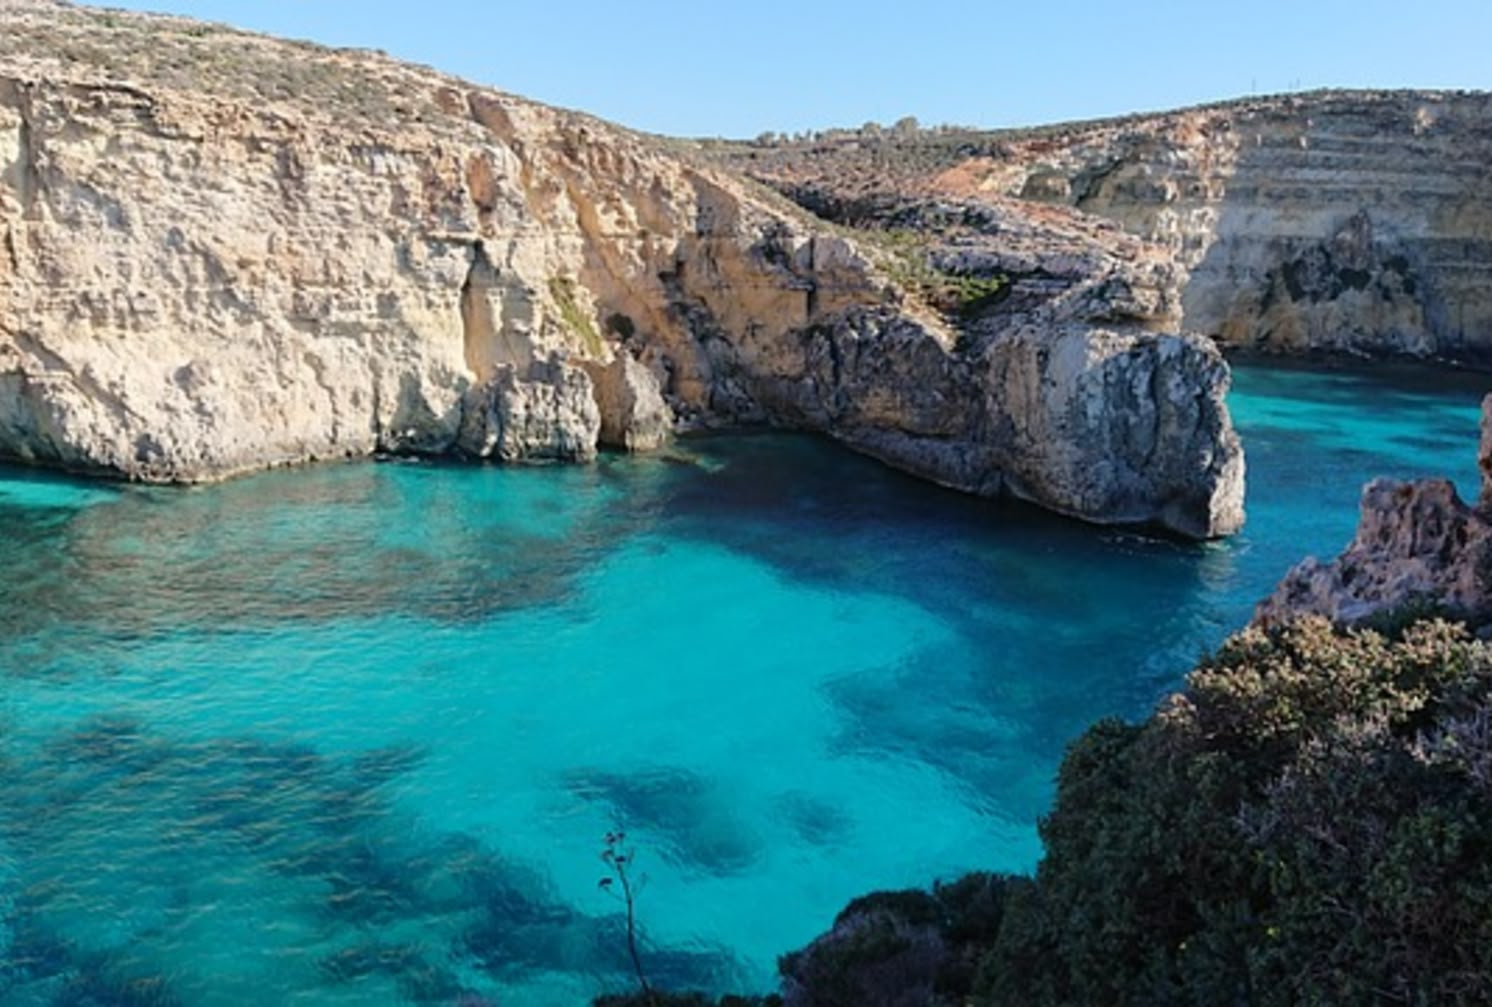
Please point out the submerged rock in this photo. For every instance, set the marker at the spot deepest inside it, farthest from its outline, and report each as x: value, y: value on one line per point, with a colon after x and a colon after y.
x: 220, y: 252
x: 1417, y: 545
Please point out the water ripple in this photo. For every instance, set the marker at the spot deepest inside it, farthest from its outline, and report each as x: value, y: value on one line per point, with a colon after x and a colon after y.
x: 353, y: 734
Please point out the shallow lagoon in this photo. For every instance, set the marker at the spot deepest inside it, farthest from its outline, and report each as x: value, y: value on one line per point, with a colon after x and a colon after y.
x: 354, y: 734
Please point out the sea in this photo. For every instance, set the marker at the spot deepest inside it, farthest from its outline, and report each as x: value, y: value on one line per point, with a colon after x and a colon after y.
x: 358, y: 733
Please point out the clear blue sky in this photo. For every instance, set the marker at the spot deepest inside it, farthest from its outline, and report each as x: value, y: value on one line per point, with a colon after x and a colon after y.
x: 720, y: 67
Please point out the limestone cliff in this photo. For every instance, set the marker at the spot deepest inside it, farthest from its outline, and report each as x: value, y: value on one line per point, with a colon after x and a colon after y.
x: 1417, y: 544
x: 1356, y: 221
x: 220, y: 252
x: 1343, y: 221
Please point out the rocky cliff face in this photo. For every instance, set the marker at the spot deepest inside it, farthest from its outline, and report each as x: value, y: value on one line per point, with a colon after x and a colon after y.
x: 220, y: 252
x: 1416, y: 544
x: 1342, y: 221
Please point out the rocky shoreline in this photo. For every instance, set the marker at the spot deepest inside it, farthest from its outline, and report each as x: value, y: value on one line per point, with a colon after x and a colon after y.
x: 224, y: 252
x: 1418, y: 548
x: 1338, y: 221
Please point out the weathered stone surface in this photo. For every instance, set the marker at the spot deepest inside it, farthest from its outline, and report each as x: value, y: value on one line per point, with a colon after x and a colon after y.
x: 1337, y: 220
x: 1416, y: 543
x: 548, y: 414
x: 1126, y: 422
x: 220, y: 252
x: 634, y: 416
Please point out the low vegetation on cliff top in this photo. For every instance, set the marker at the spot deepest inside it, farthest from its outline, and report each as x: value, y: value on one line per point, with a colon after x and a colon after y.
x: 202, y: 58
x: 1308, y: 822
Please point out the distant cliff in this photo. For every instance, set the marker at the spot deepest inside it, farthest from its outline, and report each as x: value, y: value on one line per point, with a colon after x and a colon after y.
x: 220, y: 252
x: 1341, y: 221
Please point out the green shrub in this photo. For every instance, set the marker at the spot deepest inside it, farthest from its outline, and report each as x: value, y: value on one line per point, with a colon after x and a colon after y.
x: 958, y: 296
x: 1304, y: 824
x: 1308, y: 822
x: 901, y: 949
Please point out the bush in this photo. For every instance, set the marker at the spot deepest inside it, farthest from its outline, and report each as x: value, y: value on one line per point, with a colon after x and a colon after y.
x: 900, y: 949
x: 1304, y: 824
x: 1310, y: 821
x: 576, y: 320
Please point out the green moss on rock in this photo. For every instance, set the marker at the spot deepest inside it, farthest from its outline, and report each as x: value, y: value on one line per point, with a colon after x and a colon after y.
x: 577, y: 321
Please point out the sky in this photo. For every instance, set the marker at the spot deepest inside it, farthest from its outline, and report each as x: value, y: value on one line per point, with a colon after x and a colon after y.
x: 717, y: 68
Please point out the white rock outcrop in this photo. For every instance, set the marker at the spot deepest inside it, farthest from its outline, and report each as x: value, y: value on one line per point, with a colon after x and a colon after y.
x: 634, y: 416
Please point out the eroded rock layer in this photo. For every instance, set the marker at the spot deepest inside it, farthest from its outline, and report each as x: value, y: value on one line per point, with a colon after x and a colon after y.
x: 220, y: 252
x: 1338, y: 221
x: 1343, y: 221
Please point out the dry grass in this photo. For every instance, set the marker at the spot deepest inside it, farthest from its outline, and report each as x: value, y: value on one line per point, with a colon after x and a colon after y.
x: 168, y: 53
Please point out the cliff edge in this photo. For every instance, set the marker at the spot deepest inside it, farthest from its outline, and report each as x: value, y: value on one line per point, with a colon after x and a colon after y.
x: 220, y: 252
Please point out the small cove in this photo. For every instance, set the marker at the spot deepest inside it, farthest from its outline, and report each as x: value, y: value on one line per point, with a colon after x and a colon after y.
x: 353, y: 734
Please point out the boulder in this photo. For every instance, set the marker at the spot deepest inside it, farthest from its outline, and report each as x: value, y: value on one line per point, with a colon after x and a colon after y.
x: 1417, y: 545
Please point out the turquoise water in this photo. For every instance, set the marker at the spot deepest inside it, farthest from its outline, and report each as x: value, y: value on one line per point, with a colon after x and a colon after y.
x: 354, y: 734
